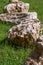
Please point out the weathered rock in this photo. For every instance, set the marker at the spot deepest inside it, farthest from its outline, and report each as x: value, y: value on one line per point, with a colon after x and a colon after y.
x: 23, y: 7
x: 16, y: 7
x: 10, y: 8
x: 39, y: 48
x: 40, y: 41
x: 28, y: 29
x: 41, y: 61
x: 30, y: 61
x: 27, y: 32
x: 18, y: 17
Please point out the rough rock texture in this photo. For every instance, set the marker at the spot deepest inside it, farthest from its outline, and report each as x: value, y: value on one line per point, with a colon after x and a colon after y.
x: 36, y: 57
x: 27, y: 31
x: 18, y: 18
x: 28, y: 27
x: 31, y: 61
x: 16, y: 7
x: 41, y: 61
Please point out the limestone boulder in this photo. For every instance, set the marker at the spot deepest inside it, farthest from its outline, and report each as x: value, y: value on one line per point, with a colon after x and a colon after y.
x: 18, y: 18
x: 26, y: 32
x: 30, y: 61
x: 16, y: 7
x: 10, y: 8
x: 41, y: 61
x: 28, y: 28
x: 39, y: 43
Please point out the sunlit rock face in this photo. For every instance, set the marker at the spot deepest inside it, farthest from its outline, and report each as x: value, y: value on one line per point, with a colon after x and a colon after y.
x: 18, y: 18
x: 16, y: 7
x: 31, y: 61
x: 41, y: 60
x: 27, y: 31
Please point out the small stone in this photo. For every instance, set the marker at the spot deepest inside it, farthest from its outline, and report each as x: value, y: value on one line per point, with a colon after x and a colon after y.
x: 10, y: 8
x: 16, y: 7
x: 30, y: 61
x: 41, y: 61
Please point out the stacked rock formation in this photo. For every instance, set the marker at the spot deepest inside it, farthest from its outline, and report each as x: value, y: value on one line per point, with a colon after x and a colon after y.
x: 26, y: 31
x: 27, y: 28
x: 30, y: 61
x: 16, y: 6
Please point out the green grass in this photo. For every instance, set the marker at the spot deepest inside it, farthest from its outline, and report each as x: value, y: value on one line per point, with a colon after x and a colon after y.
x: 15, y: 55
x: 36, y: 5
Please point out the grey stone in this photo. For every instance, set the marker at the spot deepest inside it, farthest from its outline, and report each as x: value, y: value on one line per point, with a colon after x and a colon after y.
x: 16, y: 7
x: 27, y: 31
x: 30, y: 61
x: 18, y: 17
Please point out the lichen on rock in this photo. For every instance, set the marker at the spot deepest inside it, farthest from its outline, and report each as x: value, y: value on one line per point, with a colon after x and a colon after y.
x: 18, y: 18
x: 16, y: 7
x: 29, y: 30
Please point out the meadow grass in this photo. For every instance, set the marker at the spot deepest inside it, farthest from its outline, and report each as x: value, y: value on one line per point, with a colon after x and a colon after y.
x: 15, y: 55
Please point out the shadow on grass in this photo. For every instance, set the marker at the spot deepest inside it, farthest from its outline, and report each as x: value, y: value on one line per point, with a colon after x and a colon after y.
x: 6, y: 41
x: 3, y: 42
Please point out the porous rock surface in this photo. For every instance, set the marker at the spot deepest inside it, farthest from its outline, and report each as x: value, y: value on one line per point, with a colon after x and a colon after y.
x: 16, y: 7
x: 28, y: 25
x: 31, y: 61
x: 18, y: 18
x: 28, y: 30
